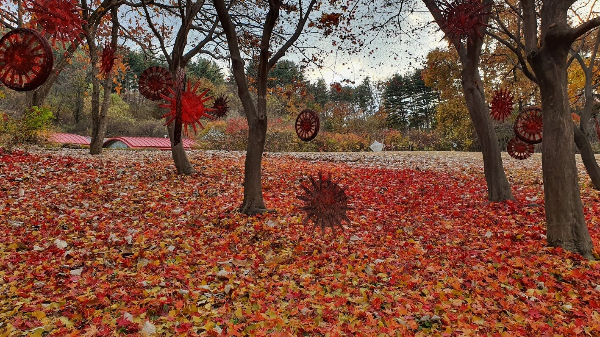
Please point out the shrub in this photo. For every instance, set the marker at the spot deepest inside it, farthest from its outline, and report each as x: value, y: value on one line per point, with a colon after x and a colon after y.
x: 7, y: 127
x: 394, y: 140
x: 429, y: 140
x: 31, y: 127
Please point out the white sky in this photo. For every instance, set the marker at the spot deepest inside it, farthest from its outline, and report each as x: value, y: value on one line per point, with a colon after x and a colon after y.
x: 400, y: 53
x: 395, y: 54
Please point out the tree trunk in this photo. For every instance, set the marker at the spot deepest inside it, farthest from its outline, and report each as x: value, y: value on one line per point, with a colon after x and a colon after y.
x: 497, y: 184
x: 99, y: 126
x: 38, y: 96
x: 180, y: 158
x: 470, y: 53
x: 98, y: 120
x: 565, y: 222
x: 587, y: 157
x: 581, y: 134
x: 253, y: 198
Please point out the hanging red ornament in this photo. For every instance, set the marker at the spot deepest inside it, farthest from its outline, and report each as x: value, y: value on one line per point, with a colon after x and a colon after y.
x: 108, y: 58
x: 25, y: 59
x: 307, y: 125
x: 61, y: 19
x: 192, y: 106
x: 501, y: 105
x: 463, y: 18
x: 529, y: 125
x: 155, y: 82
x: 325, y: 203
x: 518, y: 149
x: 220, y: 106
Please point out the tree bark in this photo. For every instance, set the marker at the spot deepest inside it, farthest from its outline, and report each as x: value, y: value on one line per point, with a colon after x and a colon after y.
x: 253, y: 197
x: 257, y: 123
x: 256, y: 115
x: 99, y: 112
x: 497, y: 183
x: 469, y: 53
x: 587, y: 157
x: 180, y: 158
x: 98, y: 119
x: 565, y: 222
x: 581, y: 135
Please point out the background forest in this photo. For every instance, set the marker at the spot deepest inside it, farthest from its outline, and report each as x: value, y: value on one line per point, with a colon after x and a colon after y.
x: 420, y: 110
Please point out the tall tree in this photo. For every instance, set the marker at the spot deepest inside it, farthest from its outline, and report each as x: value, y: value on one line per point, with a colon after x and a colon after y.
x: 508, y: 31
x: 581, y: 134
x: 100, y: 110
x: 408, y: 101
x: 548, y: 39
x: 208, y: 69
x: 256, y: 113
x: 193, y: 16
x: 469, y: 52
x: 14, y: 16
x: 318, y: 91
x: 364, y: 98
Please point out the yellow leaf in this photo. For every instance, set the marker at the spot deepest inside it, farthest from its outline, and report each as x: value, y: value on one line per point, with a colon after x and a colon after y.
x: 238, y: 313
x: 38, y: 314
x: 37, y: 332
x: 66, y: 322
x: 209, y: 325
x: 478, y: 320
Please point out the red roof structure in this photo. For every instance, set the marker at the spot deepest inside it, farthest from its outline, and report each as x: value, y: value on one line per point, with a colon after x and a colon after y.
x: 143, y: 143
x: 68, y: 138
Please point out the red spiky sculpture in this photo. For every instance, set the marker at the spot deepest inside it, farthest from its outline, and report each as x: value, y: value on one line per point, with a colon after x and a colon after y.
x: 501, y: 105
x: 463, y: 18
x: 529, y: 125
x: 518, y: 149
x: 61, y: 19
x: 325, y: 203
x: 220, y: 106
x: 25, y: 59
x: 192, y: 107
x: 108, y: 58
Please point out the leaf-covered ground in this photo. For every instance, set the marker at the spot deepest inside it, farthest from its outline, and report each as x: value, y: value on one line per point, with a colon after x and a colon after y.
x: 120, y: 245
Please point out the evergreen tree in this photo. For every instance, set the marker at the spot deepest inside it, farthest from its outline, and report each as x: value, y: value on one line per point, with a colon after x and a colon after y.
x: 208, y: 69
x: 408, y: 102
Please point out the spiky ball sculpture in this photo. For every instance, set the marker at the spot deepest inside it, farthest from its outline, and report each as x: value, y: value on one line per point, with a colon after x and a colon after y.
x: 529, y: 125
x: 108, y: 58
x: 502, y: 104
x: 192, y: 107
x: 518, y: 149
x: 463, y: 18
x: 60, y: 19
x: 325, y: 203
x: 220, y: 107
x: 155, y: 82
